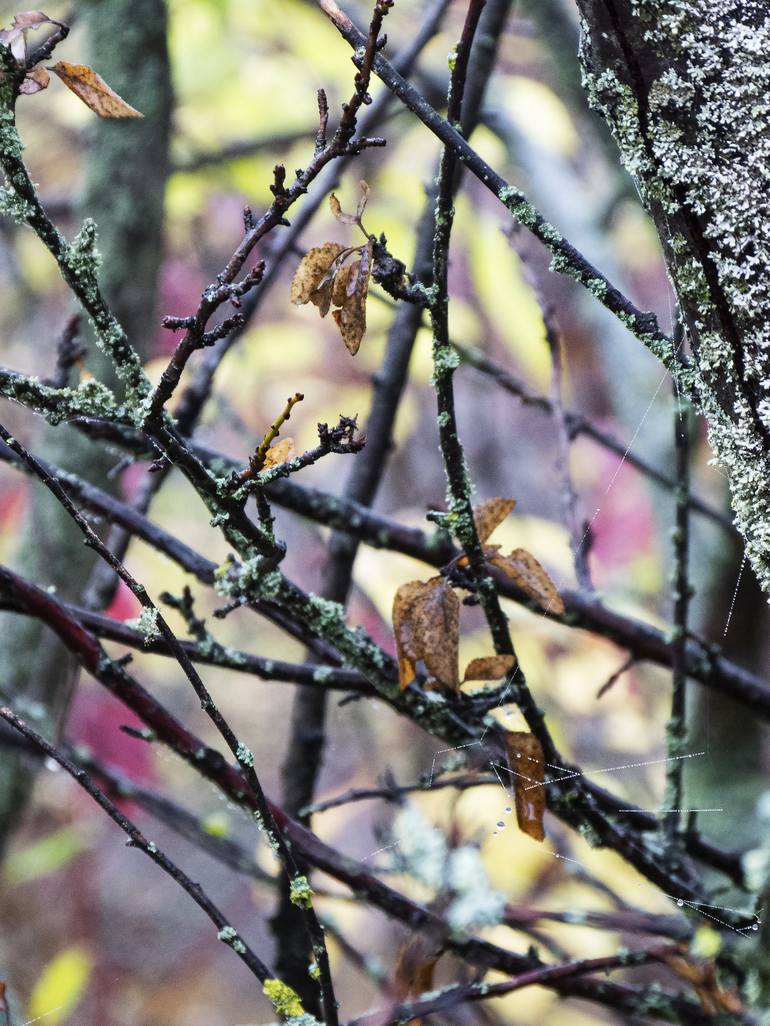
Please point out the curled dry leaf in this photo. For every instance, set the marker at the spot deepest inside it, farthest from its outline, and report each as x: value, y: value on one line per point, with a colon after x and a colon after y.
x: 489, y: 667
x: 365, y: 190
x: 527, y: 574
x: 527, y: 764
x: 15, y: 38
x: 35, y: 80
x: 490, y: 514
x: 339, y: 213
x: 426, y: 624
x: 94, y: 91
x: 351, y: 317
x: 279, y: 453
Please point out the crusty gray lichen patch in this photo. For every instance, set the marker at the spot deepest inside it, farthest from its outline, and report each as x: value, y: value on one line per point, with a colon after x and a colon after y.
x: 685, y: 87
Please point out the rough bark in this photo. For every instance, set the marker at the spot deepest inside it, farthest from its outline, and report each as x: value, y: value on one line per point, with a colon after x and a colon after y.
x: 684, y: 86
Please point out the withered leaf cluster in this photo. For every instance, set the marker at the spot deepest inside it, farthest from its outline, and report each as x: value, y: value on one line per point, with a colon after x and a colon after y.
x: 519, y: 565
x: 426, y: 625
x: 325, y: 278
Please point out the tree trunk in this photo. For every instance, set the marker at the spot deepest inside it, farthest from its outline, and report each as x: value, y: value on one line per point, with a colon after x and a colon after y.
x: 684, y: 86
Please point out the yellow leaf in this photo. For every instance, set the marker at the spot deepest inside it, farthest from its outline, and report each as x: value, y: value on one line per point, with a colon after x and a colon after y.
x: 60, y: 986
x: 312, y: 269
x: 527, y: 764
x: 94, y: 91
x: 527, y: 574
x: 489, y: 667
x: 279, y: 453
x: 490, y: 514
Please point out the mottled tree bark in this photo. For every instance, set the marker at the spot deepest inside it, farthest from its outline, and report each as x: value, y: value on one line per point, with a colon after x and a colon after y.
x: 127, y: 164
x: 684, y: 86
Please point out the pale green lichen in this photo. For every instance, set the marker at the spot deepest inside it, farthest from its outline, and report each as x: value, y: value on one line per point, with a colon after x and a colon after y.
x: 14, y: 206
x: 245, y: 756
x: 474, y: 901
x: 147, y: 624
x: 230, y: 936
x: 300, y: 892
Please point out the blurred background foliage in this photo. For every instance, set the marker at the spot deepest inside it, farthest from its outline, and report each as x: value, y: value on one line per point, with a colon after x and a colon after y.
x: 93, y: 935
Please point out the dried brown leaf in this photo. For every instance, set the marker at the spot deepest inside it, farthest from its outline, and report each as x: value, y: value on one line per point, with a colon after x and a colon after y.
x: 351, y: 317
x: 714, y: 998
x: 279, y: 453
x: 426, y: 624
x: 322, y: 296
x: 312, y: 269
x: 365, y: 190
x: 339, y: 213
x: 16, y: 36
x: 527, y: 764
x: 437, y: 625
x: 490, y: 514
x: 527, y: 574
x: 414, y: 970
x: 489, y: 667
x: 35, y: 80
x: 91, y: 88
x: 403, y: 620
x: 340, y: 286
x: 30, y: 19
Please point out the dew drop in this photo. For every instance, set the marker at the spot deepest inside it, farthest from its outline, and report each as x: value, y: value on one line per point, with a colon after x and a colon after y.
x: 508, y: 810
x: 679, y: 902
x: 755, y: 927
x: 500, y: 824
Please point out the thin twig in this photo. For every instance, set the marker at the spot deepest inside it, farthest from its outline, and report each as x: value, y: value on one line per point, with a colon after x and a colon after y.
x: 226, y: 931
